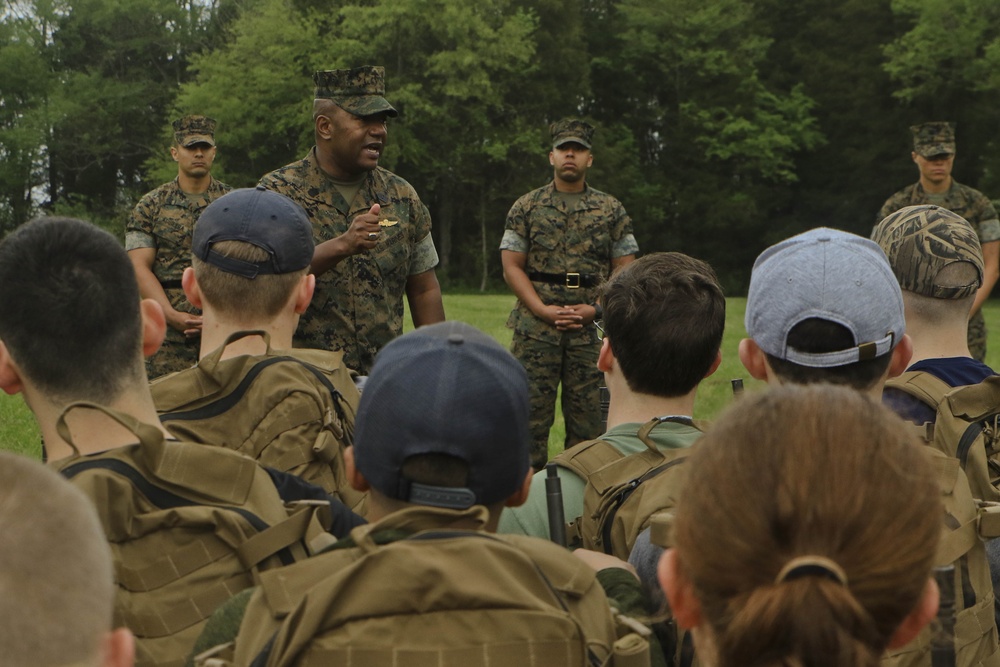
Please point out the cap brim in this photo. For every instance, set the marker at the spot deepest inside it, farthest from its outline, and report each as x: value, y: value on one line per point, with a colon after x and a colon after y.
x: 198, y: 139
x: 571, y: 140
x: 931, y: 150
x: 366, y: 105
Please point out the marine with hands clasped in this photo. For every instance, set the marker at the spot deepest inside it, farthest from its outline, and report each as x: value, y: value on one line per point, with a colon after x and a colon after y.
x: 560, y: 242
x: 372, y: 232
x: 158, y: 240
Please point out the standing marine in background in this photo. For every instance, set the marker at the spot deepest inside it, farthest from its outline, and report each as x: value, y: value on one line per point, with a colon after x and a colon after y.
x: 560, y: 243
x: 158, y: 240
x: 934, y: 155
x: 372, y: 232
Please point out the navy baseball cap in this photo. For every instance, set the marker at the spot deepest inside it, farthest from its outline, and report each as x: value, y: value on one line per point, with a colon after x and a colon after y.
x: 263, y: 218
x: 447, y: 388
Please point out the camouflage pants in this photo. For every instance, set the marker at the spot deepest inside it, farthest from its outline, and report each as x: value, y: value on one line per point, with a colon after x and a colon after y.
x: 548, y: 365
x: 977, y: 337
x: 176, y: 354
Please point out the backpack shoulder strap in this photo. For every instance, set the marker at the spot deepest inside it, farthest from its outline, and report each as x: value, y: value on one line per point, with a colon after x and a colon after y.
x: 588, y: 457
x: 922, y: 385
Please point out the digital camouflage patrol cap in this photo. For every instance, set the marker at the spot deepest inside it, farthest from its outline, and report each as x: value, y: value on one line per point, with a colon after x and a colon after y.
x: 571, y: 129
x: 194, y: 129
x: 930, y: 139
x: 920, y: 241
x: 359, y: 90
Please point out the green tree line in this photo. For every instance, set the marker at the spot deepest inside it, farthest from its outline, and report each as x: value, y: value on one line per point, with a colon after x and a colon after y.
x: 723, y: 125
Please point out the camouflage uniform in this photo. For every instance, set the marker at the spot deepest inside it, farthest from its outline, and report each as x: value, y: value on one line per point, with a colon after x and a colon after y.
x: 164, y: 219
x: 559, y: 240
x: 358, y: 304
x: 937, y: 138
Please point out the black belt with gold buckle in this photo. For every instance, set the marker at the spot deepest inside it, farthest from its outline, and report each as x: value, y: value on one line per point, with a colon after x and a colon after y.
x: 572, y: 280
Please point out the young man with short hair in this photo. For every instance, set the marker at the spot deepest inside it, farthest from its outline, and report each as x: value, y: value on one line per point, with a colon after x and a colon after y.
x: 73, y: 332
x: 290, y: 409
x: 664, y: 315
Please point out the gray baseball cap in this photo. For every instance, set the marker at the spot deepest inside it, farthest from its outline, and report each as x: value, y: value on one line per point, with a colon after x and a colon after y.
x: 830, y: 275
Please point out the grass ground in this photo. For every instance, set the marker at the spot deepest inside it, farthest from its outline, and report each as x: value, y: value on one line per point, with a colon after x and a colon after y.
x: 18, y: 431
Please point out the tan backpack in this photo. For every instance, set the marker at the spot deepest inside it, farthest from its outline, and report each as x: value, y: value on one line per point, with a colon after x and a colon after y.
x: 189, y: 526
x: 966, y: 523
x: 437, y: 597
x: 292, y: 411
x: 623, y: 492
x: 966, y: 426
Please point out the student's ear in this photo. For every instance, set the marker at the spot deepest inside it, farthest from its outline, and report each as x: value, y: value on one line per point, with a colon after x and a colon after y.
x: 191, y: 290
x: 679, y: 591
x: 921, y: 615
x: 715, y: 364
x: 521, y: 495
x: 173, y: 153
x: 552, y: 158
x: 606, y: 357
x: 753, y: 359
x: 154, y: 326
x: 304, y: 292
x: 913, y: 156
x: 901, y: 356
x: 119, y: 649
x: 354, y: 477
x: 10, y: 376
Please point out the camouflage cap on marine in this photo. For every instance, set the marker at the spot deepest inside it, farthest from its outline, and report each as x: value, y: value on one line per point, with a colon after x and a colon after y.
x: 571, y: 129
x: 930, y: 139
x: 194, y: 129
x: 920, y: 241
x: 359, y: 90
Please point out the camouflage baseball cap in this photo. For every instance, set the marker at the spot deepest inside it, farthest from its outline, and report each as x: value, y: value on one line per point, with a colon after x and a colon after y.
x: 570, y: 129
x: 194, y: 129
x: 359, y: 90
x: 920, y: 241
x: 930, y: 139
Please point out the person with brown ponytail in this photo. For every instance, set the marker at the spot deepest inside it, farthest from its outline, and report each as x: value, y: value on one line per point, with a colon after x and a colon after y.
x: 815, y: 547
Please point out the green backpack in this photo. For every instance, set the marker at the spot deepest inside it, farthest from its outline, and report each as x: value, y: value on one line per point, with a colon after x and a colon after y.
x: 966, y: 426
x: 292, y: 411
x: 189, y: 526
x: 437, y: 597
x: 623, y: 492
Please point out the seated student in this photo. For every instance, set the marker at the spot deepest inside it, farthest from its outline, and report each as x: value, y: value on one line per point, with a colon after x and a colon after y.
x: 664, y: 315
x: 188, y: 525
x: 250, y: 391
x: 936, y: 256
x: 56, y: 581
x: 442, y: 444
x: 778, y: 565
x: 825, y: 306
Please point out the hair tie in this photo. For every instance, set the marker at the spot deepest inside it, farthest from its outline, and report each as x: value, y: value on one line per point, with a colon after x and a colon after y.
x: 811, y: 566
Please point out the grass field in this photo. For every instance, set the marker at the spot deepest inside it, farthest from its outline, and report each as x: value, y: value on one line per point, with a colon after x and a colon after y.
x: 18, y: 431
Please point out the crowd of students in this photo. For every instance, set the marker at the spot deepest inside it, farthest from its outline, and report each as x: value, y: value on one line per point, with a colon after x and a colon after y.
x: 803, y: 527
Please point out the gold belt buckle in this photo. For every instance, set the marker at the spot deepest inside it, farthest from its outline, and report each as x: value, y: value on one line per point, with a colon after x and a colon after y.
x: 569, y: 280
